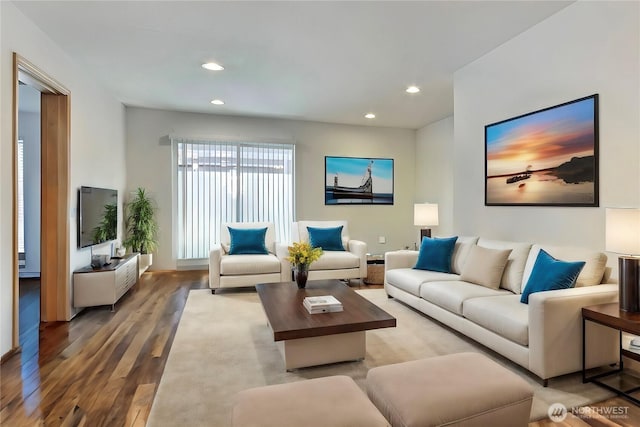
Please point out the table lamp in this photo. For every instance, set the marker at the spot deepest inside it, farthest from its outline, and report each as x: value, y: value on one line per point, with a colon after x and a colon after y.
x: 623, y: 237
x: 425, y: 215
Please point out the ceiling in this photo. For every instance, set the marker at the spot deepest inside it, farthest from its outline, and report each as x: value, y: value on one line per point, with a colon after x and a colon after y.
x: 319, y: 61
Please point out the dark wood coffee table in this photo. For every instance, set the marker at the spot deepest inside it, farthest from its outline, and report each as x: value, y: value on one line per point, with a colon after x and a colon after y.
x: 318, y: 339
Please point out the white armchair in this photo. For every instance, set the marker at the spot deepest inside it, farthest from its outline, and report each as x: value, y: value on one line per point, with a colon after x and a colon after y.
x: 234, y: 271
x: 348, y: 264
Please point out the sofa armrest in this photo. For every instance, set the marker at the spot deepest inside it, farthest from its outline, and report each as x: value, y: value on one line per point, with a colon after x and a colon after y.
x: 214, y: 266
x: 400, y: 259
x: 282, y: 252
x: 359, y: 249
x: 608, y: 277
x: 555, y: 331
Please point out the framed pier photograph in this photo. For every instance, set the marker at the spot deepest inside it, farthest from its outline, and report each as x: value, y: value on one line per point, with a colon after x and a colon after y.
x: 358, y: 180
x: 545, y: 158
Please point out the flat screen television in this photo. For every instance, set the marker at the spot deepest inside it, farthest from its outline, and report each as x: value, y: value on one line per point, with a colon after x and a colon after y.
x: 97, y: 216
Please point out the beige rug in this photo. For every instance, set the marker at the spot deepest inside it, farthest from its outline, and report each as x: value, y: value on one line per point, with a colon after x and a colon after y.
x: 223, y: 345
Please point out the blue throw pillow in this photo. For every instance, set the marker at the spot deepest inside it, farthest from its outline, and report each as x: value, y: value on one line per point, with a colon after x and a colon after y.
x: 329, y: 239
x: 549, y: 273
x: 247, y: 241
x: 435, y: 254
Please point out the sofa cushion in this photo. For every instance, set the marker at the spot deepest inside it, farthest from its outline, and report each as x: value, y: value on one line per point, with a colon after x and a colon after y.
x: 451, y: 295
x: 485, y: 266
x: 247, y: 241
x: 410, y: 280
x: 514, y: 270
x: 269, y: 238
x: 232, y: 265
x: 300, y: 233
x: 435, y: 254
x: 592, y: 272
x: 336, y: 260
x: 550, y: 274
x: 505, y: 315
x: 460, y: 252
x: 329, y: 239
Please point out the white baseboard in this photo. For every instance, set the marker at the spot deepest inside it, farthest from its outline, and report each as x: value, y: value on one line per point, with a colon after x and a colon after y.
x: 29, y: 274
x: 192, y: 264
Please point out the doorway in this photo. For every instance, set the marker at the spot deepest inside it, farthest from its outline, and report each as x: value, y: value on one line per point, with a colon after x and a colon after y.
x: 28, y: 221
x: 53, y: 218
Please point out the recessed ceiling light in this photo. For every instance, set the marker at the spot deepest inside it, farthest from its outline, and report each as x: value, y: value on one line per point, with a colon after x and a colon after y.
x: 413, y: 89
x: 370, y: 116
x: 217, y: 102
x: 213, y: 66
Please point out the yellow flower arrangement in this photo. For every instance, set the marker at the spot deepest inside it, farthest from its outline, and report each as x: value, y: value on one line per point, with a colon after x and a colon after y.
x: 301, y: 253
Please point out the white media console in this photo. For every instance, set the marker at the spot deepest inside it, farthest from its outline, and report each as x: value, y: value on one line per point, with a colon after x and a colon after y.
x: 105, y: 285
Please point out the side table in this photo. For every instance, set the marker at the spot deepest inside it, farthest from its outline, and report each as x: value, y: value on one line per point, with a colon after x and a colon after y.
x: 375, y: 269
x: 611, y: 316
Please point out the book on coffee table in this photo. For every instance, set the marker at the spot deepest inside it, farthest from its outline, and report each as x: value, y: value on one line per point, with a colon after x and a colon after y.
x: 322, y: 304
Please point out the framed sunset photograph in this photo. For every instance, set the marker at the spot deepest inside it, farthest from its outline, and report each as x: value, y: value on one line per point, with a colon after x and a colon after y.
x: 358, y: 181
x: 545, y: 158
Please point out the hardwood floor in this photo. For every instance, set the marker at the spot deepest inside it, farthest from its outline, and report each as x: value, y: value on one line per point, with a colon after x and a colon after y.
x: 628, y: 415
x: 103, y: 368
x: 29, y: 317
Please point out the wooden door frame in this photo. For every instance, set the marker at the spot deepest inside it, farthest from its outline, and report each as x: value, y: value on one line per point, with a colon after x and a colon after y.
x: 54, y: 213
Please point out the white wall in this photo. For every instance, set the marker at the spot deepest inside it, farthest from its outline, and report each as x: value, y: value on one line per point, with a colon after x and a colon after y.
x: 6, y: 291
x: 97, y: 140
x: 149, y: 166
x: 434, y: 171
x: 29, y: 132
x: 586, y: 48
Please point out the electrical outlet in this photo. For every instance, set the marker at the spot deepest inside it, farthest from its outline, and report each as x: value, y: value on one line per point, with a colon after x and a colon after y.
x: 382, y: 239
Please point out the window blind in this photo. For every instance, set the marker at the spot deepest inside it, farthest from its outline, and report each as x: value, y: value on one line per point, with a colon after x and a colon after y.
x: 20, y: 196
x: 219, y: 182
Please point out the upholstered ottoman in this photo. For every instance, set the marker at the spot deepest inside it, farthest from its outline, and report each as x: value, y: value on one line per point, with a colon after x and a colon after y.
x: 322, y: 402
x: 464, y: 389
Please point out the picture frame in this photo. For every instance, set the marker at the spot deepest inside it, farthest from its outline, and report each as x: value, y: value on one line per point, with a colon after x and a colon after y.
x: 548, y: 157
x: 358, y: 181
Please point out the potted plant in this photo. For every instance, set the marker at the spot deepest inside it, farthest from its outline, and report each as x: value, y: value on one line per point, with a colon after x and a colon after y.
x: 301, y: 255
x: 142, y: 228
x: 108, y: 227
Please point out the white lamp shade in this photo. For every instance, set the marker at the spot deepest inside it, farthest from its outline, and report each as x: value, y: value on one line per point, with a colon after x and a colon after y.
x: 425, y: 214
x: 622, y: 233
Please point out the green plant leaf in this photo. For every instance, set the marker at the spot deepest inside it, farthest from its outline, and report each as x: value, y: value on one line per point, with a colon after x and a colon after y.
x: 141, y: 225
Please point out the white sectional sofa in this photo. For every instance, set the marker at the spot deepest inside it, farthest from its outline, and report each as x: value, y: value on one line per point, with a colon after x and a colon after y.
x: 544, y: 336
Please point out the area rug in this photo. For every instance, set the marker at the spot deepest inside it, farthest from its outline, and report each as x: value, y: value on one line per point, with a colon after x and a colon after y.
x: 223, y: 345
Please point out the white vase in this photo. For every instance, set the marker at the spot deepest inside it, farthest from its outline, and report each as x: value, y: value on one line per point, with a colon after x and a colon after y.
x: 144, y: 262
